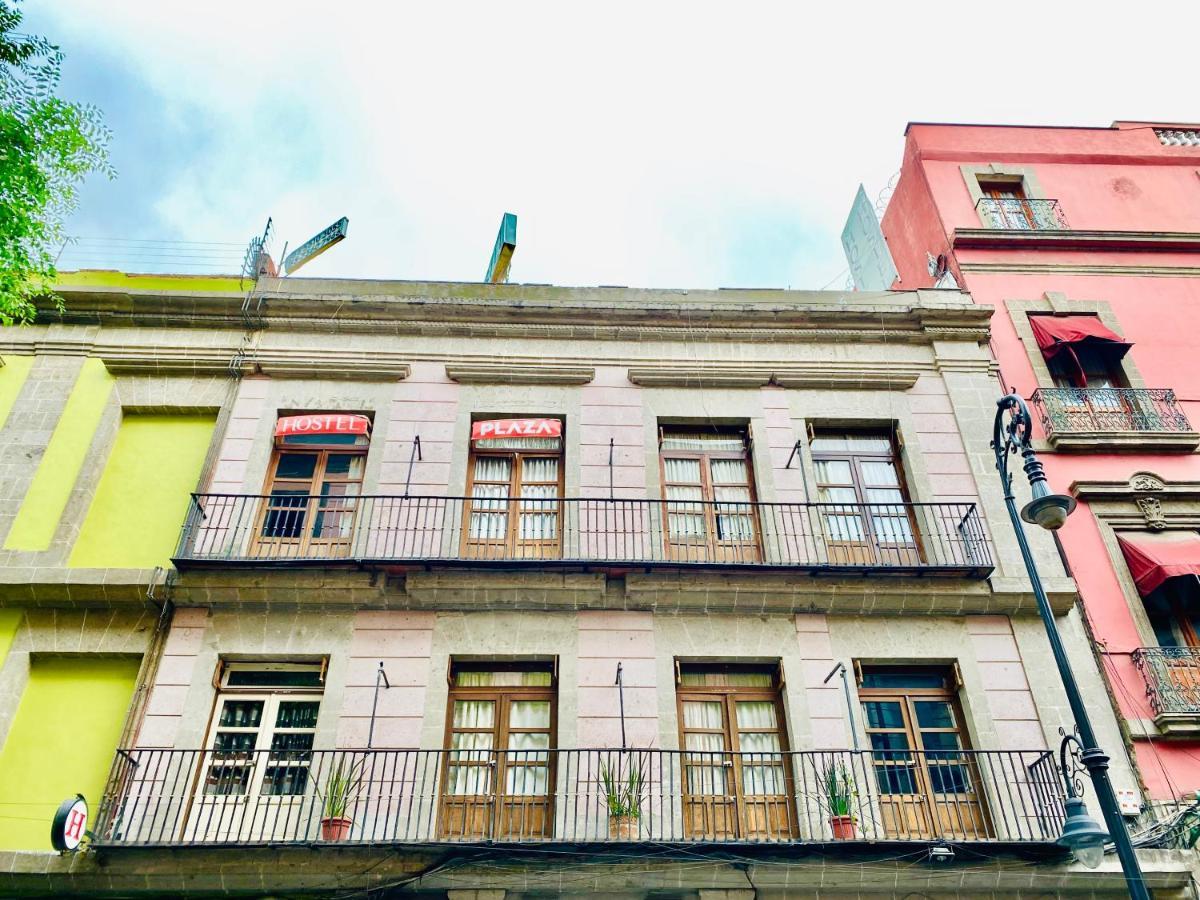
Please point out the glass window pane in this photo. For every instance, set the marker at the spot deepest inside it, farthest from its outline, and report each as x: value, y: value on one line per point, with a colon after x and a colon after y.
x: 879, y: 474
x: 227, y: 781
x: 514, y: 678
x: 883, y: 714
x: 704, y: 742
x: 274, y: 677
x: 902, y: 678
x: 540, y: 469
x: 291, y: 742
x: 730, y: 471
x: 896, y: 779
x: 686, y: 471
x: 284, y: 781
x: 702, y: 714
x: 527, y: 781
x: 474, y: 714
x: 235, y: 741
x: 297, y: 714
x: 529, y: 714
x: 299, y: 466
x: 474, y: 780
x: 528, y: 740
x: 937, y: 741
x: 834, y: 471
x: 889, y: 741
x: 758, y: 742
x: 493, y: 468
x: 934, y: 714
x: 756, y: 714
x: 475, y: 742
x: 725, y: 678
x: 241, y: 714
x: 703, y: 441
x: 345, y: 465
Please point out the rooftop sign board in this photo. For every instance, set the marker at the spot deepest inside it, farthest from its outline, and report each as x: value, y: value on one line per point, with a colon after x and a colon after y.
x: 315, y: 246
x: 867, y: 253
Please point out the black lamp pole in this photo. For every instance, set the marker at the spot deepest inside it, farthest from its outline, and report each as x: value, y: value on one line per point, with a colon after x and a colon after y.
x: 1050, y: 511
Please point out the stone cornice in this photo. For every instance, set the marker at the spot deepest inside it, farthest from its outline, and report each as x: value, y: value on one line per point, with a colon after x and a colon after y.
x: 536, y: 311
x: 1031, y: 268
x: 1072, y: 239
x: 519, y: 373
x: 276, y: 362
x: 1137, y: 484
x: 829, y: 374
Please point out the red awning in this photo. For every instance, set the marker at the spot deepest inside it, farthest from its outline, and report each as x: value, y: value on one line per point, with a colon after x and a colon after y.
x: 1153, y: 558
x: 1053, y: 333
x: 502, y: 428
x: 327, y: 423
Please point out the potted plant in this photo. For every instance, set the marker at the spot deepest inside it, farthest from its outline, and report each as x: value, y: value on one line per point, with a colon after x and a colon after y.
x: 624, y: 786
x: 839, y: 795
x: 341, y: 789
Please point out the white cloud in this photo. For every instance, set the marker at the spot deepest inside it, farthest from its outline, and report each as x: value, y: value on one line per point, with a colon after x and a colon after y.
x: 634, y: 141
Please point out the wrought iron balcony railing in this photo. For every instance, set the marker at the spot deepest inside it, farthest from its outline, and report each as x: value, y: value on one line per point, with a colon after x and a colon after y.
x: 207, y: 798
x: 1065, y: 411
x: 1018, y: 214
x: 1172, y: 677
x: 902, y: 537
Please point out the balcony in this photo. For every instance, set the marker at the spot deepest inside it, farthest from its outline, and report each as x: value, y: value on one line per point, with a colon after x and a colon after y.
x: 1172, y: 676
x: 397, y: 531
x: 169, y: 798
x: 1113, y: 418
x: 1019, y: 214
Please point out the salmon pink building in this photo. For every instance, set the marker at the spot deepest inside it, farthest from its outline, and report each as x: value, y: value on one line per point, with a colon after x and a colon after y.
x: 1086, y: 241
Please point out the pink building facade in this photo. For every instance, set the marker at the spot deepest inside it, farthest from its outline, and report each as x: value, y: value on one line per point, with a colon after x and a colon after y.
x: 1086, y: 241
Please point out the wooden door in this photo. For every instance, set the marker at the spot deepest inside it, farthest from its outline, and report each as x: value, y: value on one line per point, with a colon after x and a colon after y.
x: 928, y: 787
x: 1012, y: 210
x: 499, y: 771
x: 867, y: 520
x: 515, y: 506
x: 737, y: 782
x: 708, y: 486
x: 311, y: 504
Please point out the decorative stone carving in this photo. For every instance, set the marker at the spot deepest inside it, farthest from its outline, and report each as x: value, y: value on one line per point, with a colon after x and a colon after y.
x: 1144, y: 481
x: 1153, y: 513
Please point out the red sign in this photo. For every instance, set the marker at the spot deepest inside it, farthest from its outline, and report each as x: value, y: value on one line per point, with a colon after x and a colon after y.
x: 502, y: 428
x: 332, y: 423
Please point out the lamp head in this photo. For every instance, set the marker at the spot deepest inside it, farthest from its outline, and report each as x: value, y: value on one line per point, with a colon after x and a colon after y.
x: 1083, y: 835
x: 1047, y: 510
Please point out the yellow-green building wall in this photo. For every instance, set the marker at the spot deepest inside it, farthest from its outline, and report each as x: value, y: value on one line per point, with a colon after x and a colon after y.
x: 61, y: 742
x: 144, y: 492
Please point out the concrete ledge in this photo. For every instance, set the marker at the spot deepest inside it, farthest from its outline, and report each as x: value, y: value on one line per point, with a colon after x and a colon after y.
x: 1124, y: 441
x: 325, y: 871
x: 506, y: 590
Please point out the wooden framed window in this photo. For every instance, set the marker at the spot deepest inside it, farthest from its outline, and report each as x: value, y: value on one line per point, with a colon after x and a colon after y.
x: 1174, y: 612
x: 514, y: 507
x: 1009, y: 207
x: 260, y: 742
x: 928, y: 781
x: 501, y: 721
x: 866, y: 515
x: 311, y: 486
x: 737, y: 776
x: 708, y: 486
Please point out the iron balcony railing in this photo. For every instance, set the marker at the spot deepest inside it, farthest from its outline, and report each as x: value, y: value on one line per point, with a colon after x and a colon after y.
x: 1066, y: 411
x: 1172, y: 676
x: 205, y: 797
x: 262, y: 529
x: 1018, y: 214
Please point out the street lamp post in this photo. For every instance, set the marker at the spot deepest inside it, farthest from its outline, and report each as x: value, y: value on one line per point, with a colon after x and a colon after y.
x: 1050, y: 511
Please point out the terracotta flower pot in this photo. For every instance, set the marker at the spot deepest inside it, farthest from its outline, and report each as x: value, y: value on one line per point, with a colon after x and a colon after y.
x: 335, y: 828
x: 623, y: 828
x: 843, y: 827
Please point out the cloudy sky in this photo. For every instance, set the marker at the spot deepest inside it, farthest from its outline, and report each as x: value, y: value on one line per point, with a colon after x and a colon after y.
x: 645, y: 144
